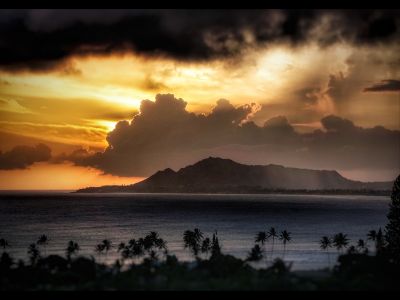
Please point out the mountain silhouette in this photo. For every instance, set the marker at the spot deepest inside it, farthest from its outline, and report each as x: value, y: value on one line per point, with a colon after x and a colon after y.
x: 217, y: 175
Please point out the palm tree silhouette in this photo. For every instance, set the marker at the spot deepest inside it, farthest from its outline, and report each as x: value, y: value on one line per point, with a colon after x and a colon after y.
x: 191, y: 240
x: 285, y: 238
x: 33, y: 253
x: 154, y: 236
x: 372, y: 235
x: 156, y: 241
x: 325, y: 243
x: 215, y: 246
x: 255, y: 254
x: 198, y: 235
x: 377, y: 237
x: 161, y: 244
x: 361, y: 246
x: 380, y: 241
x: 340, y: 241
x: 4, y: 244
x: 147, y: 242
x: 261, y: 237
x: 206, y: 246
x: 121, y: 246
x: 99, y: 248
x: 352, y: 250
x: 153, y: 256
x: 72, y: 249
x: 272, y: 233
x: 107, y: 245
x: 137, y: 247
x: 43, y: 240
x: 126, y: 253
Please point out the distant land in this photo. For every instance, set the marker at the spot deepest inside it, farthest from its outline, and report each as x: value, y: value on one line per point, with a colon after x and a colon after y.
x: 217, y: 175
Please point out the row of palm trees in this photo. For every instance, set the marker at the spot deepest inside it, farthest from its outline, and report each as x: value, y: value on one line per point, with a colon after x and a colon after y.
x: 262, y: 237
x: 196, y: 243
x: 340, y: 241
x: 152, y: 245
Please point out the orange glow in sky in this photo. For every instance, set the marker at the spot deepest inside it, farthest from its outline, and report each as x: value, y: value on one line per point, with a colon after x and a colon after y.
x: 44, y: 176
x: 79, y: 104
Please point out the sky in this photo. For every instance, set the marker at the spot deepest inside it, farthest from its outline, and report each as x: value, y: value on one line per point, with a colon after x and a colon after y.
x: 95, y: 97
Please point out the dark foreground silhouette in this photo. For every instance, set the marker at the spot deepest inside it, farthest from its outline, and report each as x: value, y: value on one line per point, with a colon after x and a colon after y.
x: 146, y: 264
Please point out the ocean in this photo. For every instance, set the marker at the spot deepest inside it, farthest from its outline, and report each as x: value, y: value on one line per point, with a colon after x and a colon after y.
x: 90, y: 218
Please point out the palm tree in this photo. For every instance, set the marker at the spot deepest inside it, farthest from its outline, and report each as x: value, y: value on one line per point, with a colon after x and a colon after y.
x: 157, y: 241
x: 285, y: 238
x: 136, y: 248
x: 126, y: 253
x: 372, y: 235
x: 34, y: 253
x: 361, y: 246
x: 206, y: 246
x: 340, y: 241
x: 377, y: 237
x: 99, y: 248
x: 147, y: 242
x: 132, y: 243
x: 215, y: 246
x: 121, y: 246
x: 198, y: 235
x: 261, y: 237
x: 43, y: 240
x: 107, y: 245
x: 255, y: 254
x: 325, y: 243
x: 154, y: 236
x: 162, y: 245
x: 380, y: 241
x: 153, y: 256
x: 192, y: 241
x: 4, y: 244
x: 272, y: 233
x: 352, y: 250
x: 72, y: 249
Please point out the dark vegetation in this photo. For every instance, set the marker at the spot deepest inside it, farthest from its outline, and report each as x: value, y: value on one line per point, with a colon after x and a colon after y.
x: 146, y: 264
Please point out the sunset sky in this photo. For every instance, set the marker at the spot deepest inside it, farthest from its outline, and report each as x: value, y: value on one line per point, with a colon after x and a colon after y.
x: 95, y: 97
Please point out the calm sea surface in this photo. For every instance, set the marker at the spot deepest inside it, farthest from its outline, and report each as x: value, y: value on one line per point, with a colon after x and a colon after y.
x: 90, y: 218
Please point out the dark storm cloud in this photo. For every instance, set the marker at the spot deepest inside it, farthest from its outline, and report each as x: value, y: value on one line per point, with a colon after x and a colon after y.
x: 389, y: 85
x: 164, y: 134
x: 40, y: 39
x: 21, y: 157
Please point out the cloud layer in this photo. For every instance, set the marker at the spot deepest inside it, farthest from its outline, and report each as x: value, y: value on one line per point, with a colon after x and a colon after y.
x: 181, y: 34
x: 164, y: 134
x: 21, y: 157
x: 388, y: 85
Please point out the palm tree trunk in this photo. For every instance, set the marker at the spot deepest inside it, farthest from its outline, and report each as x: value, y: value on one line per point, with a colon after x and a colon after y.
x: 329, y: 258
x: 284, y: 250
x: 266, y: 254
x: 272, y: 250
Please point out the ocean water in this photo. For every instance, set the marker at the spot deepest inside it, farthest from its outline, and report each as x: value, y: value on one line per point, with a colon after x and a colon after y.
x: 90, y: 218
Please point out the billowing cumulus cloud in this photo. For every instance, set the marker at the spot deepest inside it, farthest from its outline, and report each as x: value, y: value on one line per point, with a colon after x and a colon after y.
x: 164, y: 134
x: 388, y: 85
x: 21, y: 157
x: 180, y: 34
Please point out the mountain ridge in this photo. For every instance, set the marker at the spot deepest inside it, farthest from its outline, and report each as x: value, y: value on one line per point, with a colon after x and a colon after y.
x: 219, y: 175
